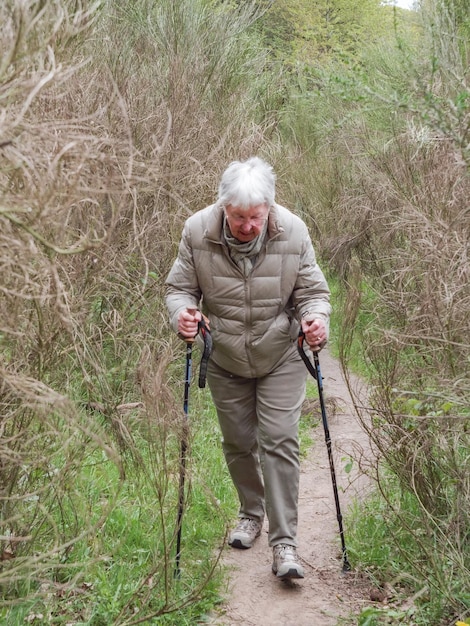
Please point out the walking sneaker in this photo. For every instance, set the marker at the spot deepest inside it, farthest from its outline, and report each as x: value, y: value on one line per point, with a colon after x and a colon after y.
x: 245, y: 533
x: 286, y: 563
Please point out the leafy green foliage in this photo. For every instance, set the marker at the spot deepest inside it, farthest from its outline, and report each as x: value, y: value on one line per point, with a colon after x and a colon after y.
x: 303, y: 34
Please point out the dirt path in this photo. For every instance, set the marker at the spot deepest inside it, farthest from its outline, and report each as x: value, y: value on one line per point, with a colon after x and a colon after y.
x: 255, y: 596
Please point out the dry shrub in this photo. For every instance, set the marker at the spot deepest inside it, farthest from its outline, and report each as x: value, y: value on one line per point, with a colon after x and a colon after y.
x: 391, y: 205
x: 408, y: 272
x: 407, y: 311
x: 117, y: 120
x: 54, y: 173
x: 413, y: 249
x: 185, y: 72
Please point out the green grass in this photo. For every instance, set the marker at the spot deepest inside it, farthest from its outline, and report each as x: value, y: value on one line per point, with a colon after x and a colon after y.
x: 392, y: 543
x: 125, y: 566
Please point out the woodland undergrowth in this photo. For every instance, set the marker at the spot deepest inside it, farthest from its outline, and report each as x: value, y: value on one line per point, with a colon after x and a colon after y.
x: 400, y: 242
x: 116, y: 121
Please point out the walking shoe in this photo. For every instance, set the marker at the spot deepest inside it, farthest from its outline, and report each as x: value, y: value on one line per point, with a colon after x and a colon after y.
x: 245, y: 533
x: 286, y: 563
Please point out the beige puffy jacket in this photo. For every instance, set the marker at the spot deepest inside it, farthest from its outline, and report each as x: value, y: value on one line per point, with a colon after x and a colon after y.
x: 251, y: 318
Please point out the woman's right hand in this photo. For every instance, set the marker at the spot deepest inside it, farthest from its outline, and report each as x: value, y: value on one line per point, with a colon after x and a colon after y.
x: 188, y: 321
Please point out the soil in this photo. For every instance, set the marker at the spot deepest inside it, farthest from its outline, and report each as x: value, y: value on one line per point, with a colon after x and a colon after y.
x: 254, y: 595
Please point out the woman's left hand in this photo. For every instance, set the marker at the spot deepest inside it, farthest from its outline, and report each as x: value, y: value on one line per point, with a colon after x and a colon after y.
x: 315, y: 332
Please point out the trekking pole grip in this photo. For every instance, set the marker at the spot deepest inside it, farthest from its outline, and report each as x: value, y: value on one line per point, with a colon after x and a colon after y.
x: 308, y: 363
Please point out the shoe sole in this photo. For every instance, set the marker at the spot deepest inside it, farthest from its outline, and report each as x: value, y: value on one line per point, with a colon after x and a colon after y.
x: 237, y: 543
x: 291, y: 573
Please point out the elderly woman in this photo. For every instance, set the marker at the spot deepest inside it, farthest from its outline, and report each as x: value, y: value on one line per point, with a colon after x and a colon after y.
x: 249, y: 266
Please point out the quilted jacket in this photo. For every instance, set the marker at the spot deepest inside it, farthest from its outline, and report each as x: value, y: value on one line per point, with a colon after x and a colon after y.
x: 253, y: 319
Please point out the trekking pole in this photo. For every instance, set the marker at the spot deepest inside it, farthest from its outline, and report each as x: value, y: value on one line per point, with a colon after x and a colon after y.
x: 316, y: 373
x: 183, y: 451
x: 202, y: 327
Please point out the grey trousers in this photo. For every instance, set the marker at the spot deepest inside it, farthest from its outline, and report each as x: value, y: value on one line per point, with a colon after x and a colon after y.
x: 259, y: 420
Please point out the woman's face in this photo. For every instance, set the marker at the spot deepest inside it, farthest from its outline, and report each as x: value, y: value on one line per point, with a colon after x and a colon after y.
x: 246, y: 224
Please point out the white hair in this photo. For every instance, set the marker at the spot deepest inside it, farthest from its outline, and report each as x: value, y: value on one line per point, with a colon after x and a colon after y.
x: 247, y: 183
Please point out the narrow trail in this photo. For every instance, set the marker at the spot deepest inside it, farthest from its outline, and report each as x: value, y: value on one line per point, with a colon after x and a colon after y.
x: 255, y: 597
